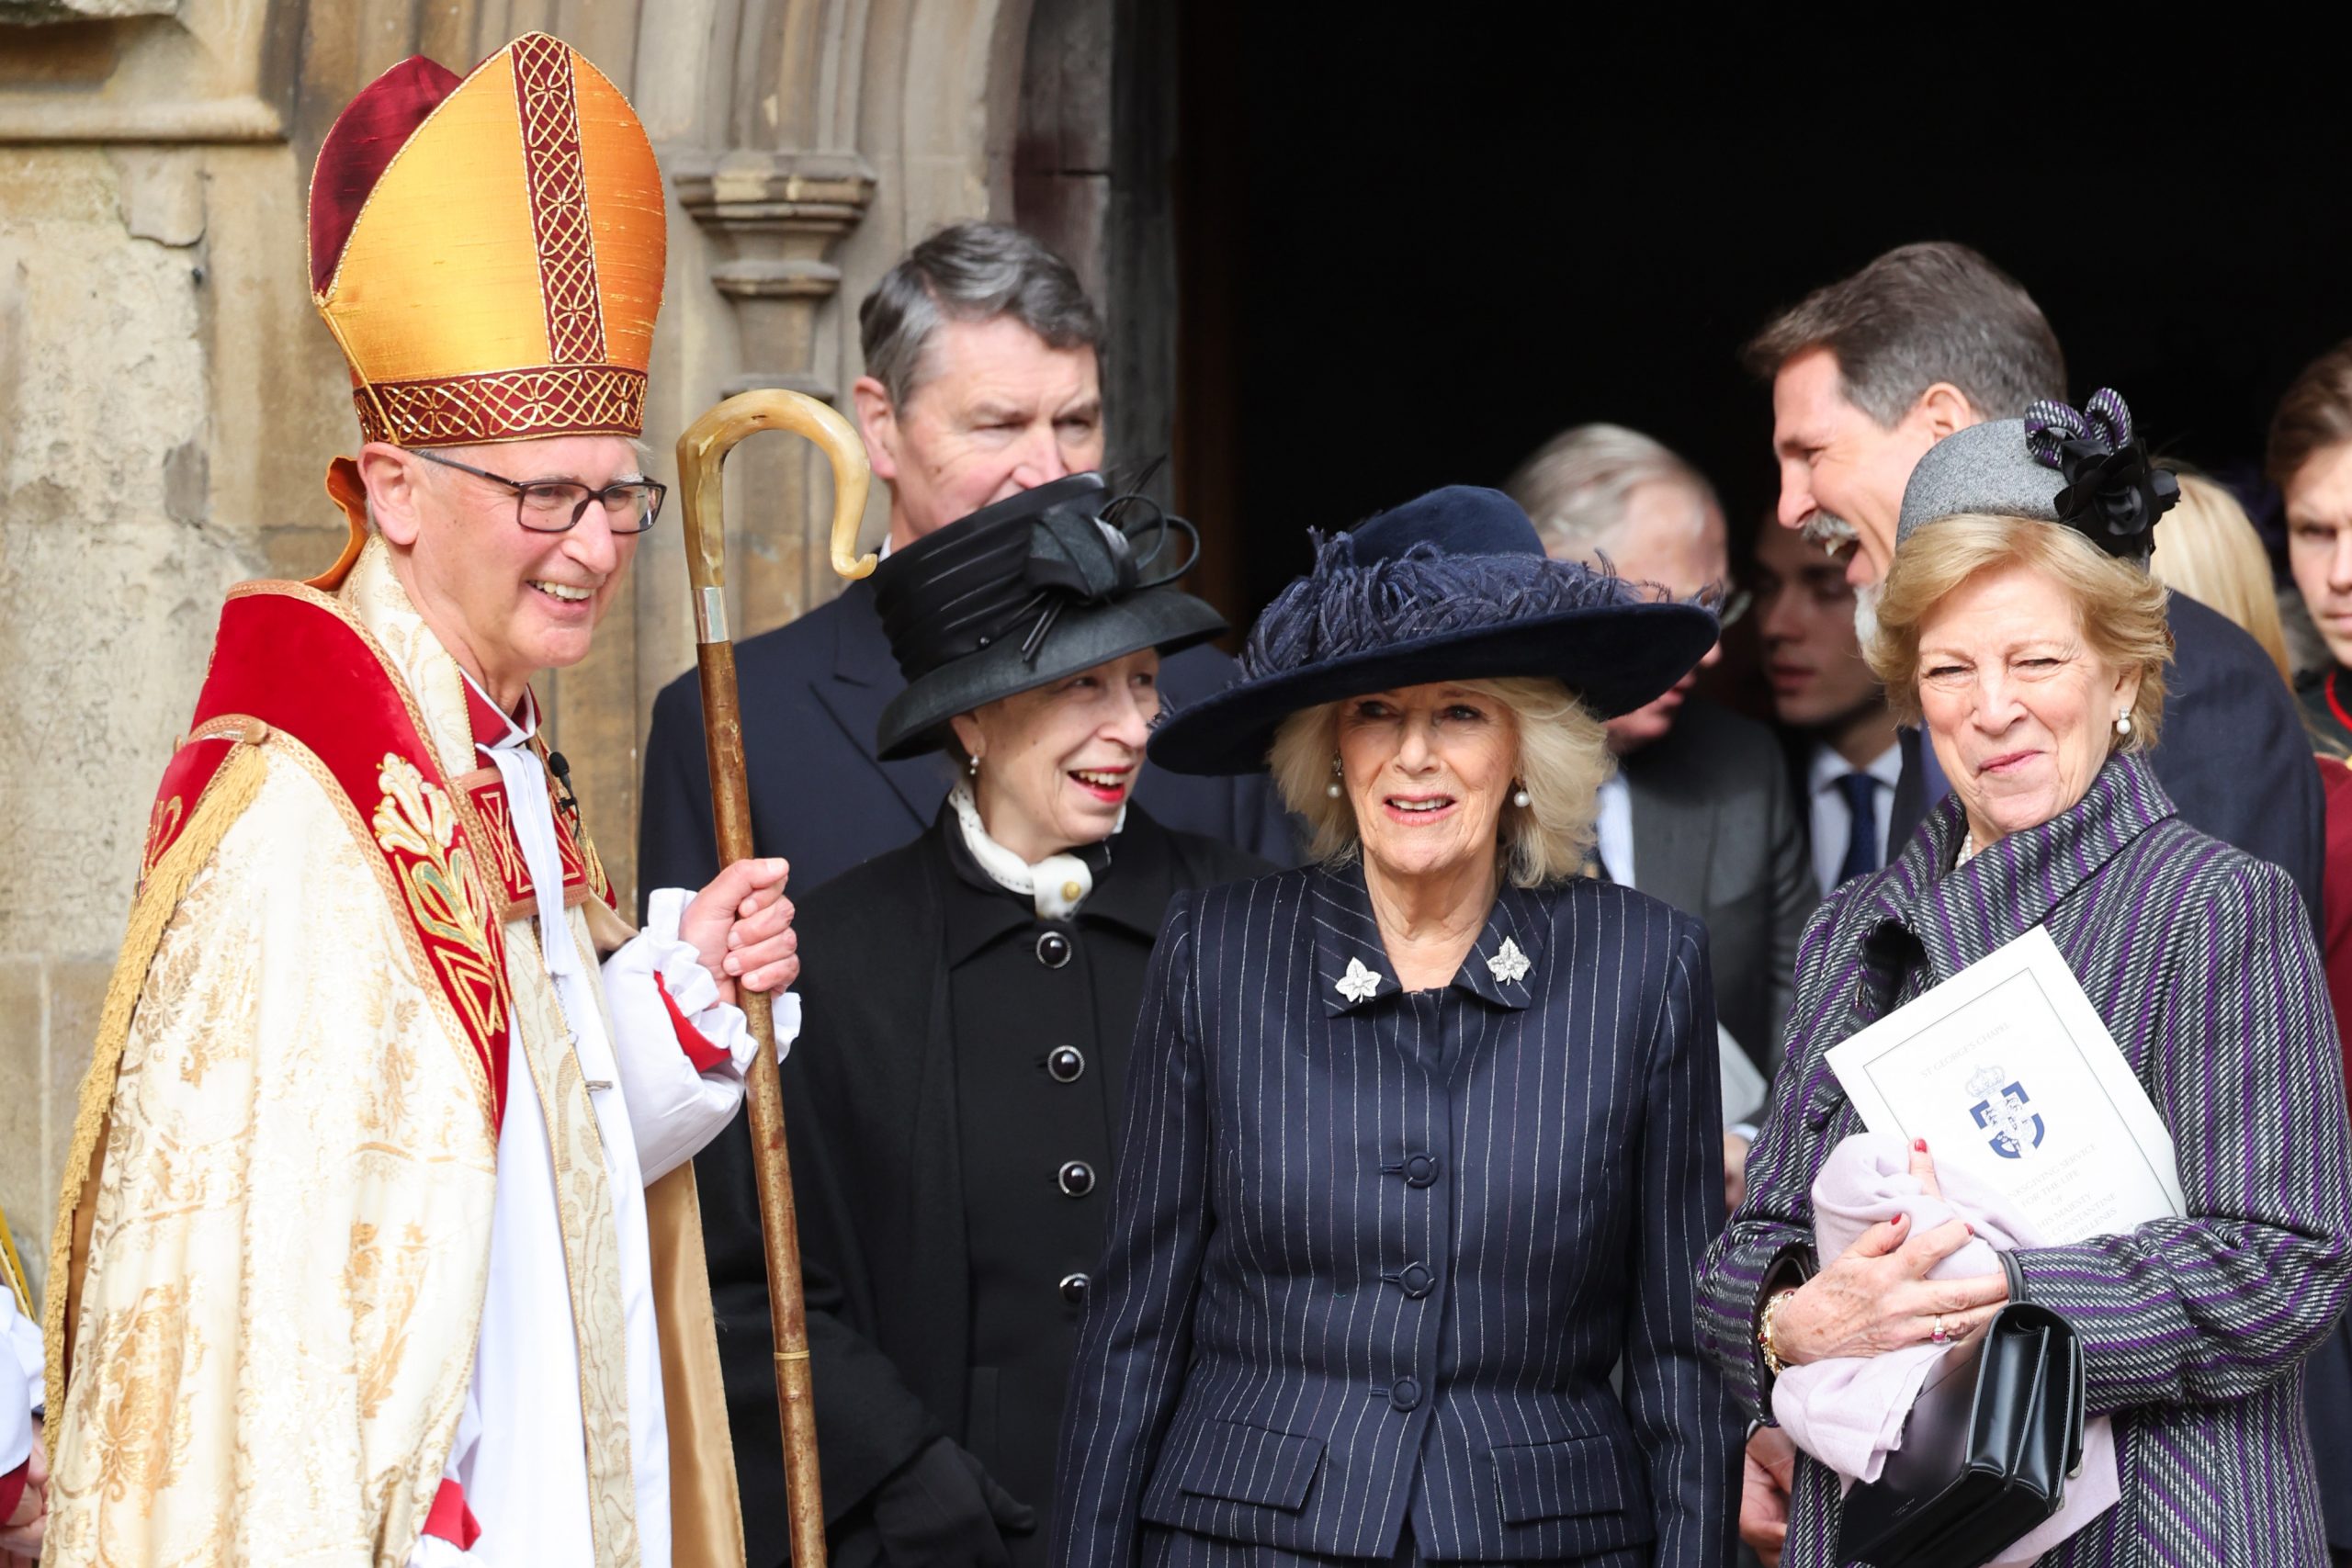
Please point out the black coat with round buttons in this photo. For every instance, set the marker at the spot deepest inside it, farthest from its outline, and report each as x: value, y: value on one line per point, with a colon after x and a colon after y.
x: 952, y: 1105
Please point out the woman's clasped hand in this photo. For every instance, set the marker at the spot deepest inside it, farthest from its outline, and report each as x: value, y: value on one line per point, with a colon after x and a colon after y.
x: 1876, y: 1296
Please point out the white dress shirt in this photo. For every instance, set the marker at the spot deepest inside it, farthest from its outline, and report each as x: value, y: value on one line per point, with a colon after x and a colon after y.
x: 1743, y: 1086
x: 1616, y: 826
x: 1832, y: 823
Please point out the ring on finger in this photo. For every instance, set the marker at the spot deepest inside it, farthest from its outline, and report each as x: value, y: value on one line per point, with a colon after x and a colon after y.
x: 1937, y: 1335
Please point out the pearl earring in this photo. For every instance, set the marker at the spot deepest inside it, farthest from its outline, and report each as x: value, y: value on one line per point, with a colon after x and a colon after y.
x: 2123, y: 724
x: 1332, y: 789
x: 1521, y: 798
x: 972, y: 767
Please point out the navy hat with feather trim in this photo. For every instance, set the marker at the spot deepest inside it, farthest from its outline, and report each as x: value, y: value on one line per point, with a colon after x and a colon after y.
x: 1451, y: 586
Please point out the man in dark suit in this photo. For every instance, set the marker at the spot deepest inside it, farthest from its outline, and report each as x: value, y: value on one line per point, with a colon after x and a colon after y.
x: 1701, y: 813
x: 981, y: 381
x: 1843, y: 758
x: 1867, y: 373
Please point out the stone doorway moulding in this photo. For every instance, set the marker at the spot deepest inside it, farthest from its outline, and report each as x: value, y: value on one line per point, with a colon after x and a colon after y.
x: 823, y: 136
x: 808, y: 142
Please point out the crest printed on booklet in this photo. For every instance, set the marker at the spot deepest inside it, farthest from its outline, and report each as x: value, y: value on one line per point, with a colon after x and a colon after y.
x: 2002, y: 1109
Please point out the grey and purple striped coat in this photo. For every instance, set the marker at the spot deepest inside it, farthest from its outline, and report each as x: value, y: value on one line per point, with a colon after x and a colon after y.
x: 2200, y: 958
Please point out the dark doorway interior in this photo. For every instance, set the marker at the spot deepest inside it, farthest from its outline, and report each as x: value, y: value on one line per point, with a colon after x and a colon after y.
x: 1411, y: 248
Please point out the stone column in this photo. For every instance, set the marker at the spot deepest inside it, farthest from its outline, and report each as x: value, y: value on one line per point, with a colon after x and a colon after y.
x: 774, y: 219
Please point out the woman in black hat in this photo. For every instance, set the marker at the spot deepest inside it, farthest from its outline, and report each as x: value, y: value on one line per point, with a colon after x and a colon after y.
x: 967, y: 1002
x: 1421, y: 1140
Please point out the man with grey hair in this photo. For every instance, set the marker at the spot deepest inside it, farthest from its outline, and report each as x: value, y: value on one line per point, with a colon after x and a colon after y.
x: 981, y: 376
x: 1605, y: 493
x: 1699, y: 813
x: 1590, y: 484
x: 981, y: 381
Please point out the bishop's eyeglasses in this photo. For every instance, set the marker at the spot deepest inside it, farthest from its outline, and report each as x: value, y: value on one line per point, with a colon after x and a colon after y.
x: 554, y: 506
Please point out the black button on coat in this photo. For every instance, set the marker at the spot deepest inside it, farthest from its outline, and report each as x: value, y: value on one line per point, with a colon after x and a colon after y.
x: 928, y: 1139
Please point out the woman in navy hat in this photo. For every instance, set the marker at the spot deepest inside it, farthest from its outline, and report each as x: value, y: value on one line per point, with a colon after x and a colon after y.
x: 1421, y: 1140
x: 967, y: 1002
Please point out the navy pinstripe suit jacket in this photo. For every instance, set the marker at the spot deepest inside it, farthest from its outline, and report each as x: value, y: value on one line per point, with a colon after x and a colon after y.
x: 2200, y: 958
x: 1374, y: 1258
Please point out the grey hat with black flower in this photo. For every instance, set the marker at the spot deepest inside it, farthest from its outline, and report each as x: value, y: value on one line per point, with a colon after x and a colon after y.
x: 2085, y: 469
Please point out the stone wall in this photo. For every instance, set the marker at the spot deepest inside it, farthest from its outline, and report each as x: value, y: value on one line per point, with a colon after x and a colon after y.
x: 168, y: 401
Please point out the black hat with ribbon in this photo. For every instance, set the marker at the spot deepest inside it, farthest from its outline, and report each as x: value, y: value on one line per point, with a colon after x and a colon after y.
x: 2083, y: 467
x: 1033, y: 589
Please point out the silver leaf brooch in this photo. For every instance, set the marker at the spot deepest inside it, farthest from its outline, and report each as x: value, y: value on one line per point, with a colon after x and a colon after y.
x: 1508, y: 965
x: 1359, y: 982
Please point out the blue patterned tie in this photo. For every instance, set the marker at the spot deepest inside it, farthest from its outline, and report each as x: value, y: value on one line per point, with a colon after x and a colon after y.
x: 1860, y: 793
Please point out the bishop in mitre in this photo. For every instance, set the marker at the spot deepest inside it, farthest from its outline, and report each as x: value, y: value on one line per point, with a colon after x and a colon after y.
x: 379, y: 1243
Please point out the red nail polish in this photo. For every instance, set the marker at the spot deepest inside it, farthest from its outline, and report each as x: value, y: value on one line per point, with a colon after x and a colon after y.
x: 1920, y: 1145
x: 1969, y: 1228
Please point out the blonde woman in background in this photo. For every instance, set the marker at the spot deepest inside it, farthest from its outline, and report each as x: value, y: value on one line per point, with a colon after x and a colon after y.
x: 2210, y: 551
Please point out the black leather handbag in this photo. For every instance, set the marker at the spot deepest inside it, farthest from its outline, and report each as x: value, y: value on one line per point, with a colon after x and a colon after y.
x: 1986, y: 1450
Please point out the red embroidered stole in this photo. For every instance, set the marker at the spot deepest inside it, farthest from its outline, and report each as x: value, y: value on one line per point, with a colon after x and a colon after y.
x: 293, y: 662
x: 584, y: 873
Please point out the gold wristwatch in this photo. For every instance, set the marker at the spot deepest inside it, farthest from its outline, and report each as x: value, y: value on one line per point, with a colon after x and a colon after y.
x: 1764, y: 1320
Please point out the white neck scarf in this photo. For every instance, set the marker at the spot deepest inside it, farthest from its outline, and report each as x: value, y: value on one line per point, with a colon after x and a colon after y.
x: 1056, y: 886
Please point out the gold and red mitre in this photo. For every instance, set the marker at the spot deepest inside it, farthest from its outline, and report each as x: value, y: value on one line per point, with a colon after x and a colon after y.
x: 488, y: 252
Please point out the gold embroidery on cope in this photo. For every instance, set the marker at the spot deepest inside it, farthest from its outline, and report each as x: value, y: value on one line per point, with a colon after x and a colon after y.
x: 141, y: 1356
x: 383, y: 1299
x: 416, y: 824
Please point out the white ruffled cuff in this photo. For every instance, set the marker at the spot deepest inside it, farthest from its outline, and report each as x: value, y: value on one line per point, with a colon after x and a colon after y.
x: 696, y: 993
x: 690, y: 986
x: 674, y: 1108
x: 20, y: 1357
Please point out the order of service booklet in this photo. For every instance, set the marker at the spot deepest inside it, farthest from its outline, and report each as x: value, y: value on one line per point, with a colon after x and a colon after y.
x: 2008, y: 1069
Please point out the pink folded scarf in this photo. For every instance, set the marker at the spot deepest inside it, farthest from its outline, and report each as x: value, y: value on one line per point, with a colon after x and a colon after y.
x: 1848, y: 1412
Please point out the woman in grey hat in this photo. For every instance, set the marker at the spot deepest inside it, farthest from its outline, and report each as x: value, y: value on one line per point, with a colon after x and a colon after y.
x: 967, y: 1003
x: 2020, y: 624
